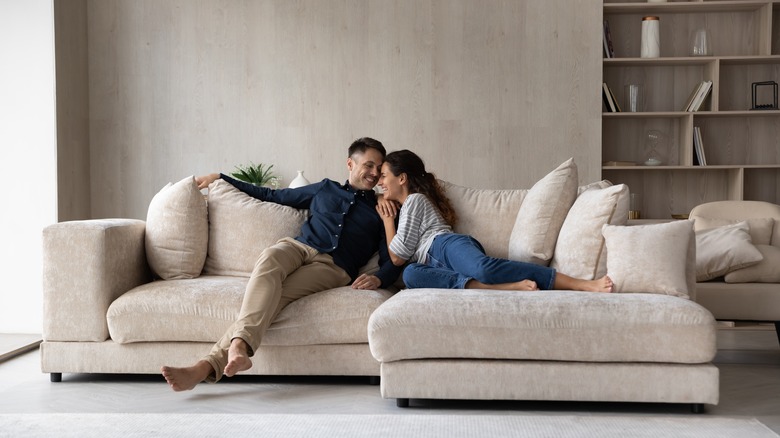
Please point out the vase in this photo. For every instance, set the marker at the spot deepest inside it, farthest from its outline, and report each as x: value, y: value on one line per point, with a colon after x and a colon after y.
x: 299, y: 181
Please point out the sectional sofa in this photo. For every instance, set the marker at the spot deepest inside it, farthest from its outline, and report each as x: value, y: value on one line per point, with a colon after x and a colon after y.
x: 127, y: 296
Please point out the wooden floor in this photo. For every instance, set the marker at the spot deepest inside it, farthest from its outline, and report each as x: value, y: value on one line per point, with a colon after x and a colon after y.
x: 748, y: 359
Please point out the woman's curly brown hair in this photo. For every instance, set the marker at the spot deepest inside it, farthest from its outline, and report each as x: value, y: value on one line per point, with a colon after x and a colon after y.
x: 420, y: 181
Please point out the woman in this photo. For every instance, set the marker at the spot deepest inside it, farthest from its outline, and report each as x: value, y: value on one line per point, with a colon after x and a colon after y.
x: 441, y: 258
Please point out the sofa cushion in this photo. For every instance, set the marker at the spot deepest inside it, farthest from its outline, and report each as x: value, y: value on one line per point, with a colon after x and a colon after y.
x: 649, y: 258
x: 765, y: 271
x: 177, y: 231
x: 241, y: 227
x: 760, y: 229
x: 541, y: 325
x: 541, y: 215
x: 723, y: 249
x: 488, y: 215
x: 202, y: 309
x: 580, y: 251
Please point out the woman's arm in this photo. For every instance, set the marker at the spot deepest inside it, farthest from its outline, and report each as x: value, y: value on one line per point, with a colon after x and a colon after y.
x: 388, y: 211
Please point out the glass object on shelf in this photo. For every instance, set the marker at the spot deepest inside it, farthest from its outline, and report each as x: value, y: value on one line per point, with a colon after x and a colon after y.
x: 656, y: 144
x: 634, y: 95
x: 635, y: 206
x: 701, y: 43
x: 651, y: 37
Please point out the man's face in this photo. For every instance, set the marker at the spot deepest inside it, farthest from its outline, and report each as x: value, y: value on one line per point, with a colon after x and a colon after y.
x: 364, y: 169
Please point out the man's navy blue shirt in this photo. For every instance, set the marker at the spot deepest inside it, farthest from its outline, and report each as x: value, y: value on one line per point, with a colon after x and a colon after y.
x: 342, y: 222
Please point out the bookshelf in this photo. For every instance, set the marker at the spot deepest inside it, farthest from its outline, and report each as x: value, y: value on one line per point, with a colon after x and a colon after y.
x: 742, y: 146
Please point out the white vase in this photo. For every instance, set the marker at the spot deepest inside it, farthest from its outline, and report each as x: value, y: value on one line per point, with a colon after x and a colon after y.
x: 299, y: 181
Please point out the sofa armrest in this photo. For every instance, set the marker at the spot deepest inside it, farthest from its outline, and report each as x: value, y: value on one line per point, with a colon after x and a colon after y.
x: 86, y: 266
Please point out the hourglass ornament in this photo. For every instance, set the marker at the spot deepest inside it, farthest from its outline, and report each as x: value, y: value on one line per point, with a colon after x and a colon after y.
x: 655, y: 142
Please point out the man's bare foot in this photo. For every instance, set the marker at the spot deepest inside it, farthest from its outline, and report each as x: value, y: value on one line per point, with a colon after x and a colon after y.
x: 238, y: 358
x: 184, y: 379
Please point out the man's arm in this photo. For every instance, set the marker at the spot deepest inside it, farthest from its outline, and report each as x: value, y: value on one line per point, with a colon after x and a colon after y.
x: 388, y: 271
x: 297, y: 198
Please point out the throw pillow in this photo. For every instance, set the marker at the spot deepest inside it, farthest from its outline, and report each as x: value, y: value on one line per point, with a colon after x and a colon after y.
x: 580, y: 250
x: 541, y: 215
x: 649, y: 258
x: 241, y: 227
x: 723, y: 249
x: 765, y: 271
x: 760, y: 228
x: 177, y: 231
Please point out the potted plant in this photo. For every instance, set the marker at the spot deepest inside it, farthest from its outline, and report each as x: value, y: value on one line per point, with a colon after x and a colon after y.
x: 257, y: 174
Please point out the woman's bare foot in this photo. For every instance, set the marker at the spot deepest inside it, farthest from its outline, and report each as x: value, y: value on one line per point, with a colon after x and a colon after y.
x: 603, y: 284
x: 524, y: 285
x: 238, y: 358
x: 184, y: 379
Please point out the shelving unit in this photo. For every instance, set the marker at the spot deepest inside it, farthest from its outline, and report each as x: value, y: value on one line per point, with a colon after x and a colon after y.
x: 742, y: 146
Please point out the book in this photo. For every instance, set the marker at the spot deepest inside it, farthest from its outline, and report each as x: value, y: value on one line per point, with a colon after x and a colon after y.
x: 609, y: 99
x: 704, y: 90
x: 609, y: 50
x: 698, y: 147
x: 618, y: 163
x: 691, y: 97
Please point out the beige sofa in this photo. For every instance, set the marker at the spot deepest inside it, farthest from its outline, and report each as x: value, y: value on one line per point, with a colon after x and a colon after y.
x: 748, y: 289
x: 103, y: 313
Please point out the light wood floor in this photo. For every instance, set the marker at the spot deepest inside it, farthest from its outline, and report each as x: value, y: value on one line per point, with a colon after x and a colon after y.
x: 748, y: 359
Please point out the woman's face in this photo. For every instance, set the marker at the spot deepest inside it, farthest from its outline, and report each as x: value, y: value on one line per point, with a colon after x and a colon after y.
x: 392, y: 186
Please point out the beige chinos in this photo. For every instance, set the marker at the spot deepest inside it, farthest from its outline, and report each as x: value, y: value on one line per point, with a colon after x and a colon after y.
x: 283, y: 273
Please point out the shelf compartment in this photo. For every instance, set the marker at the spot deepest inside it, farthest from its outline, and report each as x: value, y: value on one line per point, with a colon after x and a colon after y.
x: 747, y: 138
x: 670, y: 191
x: 667, y: 85
x: 736, y: 28
x: 624, y: 137
x: 737, y: 77
x: 762, y: 184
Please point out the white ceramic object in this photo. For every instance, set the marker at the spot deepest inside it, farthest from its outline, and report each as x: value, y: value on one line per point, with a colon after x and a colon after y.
x: 299, y: 181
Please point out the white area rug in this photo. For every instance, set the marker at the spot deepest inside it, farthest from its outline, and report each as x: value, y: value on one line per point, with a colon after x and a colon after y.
x: 450, y: 426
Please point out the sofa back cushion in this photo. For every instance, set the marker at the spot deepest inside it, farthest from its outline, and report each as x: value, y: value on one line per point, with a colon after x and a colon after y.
x: 241, y: 227
x: 176, y: 237
x: 488, y: 215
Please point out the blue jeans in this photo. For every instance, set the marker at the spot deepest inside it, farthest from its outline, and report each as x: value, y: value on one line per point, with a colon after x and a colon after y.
x: 454, y: 259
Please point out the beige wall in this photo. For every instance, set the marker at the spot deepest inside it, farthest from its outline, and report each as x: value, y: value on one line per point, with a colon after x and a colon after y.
x: 491, y: 94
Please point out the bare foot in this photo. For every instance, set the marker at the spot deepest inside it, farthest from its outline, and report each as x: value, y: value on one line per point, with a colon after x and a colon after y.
x: 603, y: 284
x: 525, y: 285
x: 184, y: 379
x: 238, y: 358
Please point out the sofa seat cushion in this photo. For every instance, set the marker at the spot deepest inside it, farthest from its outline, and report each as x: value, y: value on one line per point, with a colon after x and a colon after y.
x: 544, y: 325
x: 202, y: 309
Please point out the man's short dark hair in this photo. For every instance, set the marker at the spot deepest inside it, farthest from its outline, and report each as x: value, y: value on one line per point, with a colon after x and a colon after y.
x: 360, y: 145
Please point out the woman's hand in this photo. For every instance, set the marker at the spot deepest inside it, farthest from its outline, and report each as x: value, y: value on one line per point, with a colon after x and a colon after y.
x: 204, y: 181
x: 387, y: 209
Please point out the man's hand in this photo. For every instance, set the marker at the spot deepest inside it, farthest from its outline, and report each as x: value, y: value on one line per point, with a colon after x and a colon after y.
x: 366, y: 281
x: 204, y: 181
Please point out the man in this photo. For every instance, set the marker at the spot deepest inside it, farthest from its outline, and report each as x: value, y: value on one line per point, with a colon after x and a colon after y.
x: 342, y: 233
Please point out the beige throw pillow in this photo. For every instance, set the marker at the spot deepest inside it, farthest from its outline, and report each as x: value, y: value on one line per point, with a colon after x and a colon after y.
x: 765, y: 271
x: 580, y: 250
x: 241, y: 227
x: 760, y: 229
x: 177, y: 231
x: 724, y: 249
x: 541, y: 215
x: 649, y: 258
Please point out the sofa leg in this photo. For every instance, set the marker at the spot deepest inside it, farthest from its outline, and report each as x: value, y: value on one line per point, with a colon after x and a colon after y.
x: 697, y: 408
x: 55, y: 377
x: 373, y: 380
x: 402, y: 402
